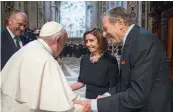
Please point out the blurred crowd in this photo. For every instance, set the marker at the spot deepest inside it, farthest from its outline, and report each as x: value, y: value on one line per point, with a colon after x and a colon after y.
x: 74, y: 49
x: 78, y: 49
x: 29, y: 35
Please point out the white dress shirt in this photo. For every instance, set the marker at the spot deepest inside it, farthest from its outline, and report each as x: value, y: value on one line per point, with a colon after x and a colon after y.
x: 13, y: 37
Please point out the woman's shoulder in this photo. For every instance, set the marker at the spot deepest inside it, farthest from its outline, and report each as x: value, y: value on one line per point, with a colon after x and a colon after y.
x: 86, y: 56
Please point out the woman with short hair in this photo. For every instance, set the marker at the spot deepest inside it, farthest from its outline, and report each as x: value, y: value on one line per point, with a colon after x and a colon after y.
x: 98, y: 70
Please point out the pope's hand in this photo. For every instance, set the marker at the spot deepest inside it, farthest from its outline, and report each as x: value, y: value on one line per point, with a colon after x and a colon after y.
x: 99, y: 96
x: 86, y: 105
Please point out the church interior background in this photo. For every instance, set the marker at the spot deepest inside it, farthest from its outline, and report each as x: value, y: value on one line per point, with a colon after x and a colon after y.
x: 79, y: 16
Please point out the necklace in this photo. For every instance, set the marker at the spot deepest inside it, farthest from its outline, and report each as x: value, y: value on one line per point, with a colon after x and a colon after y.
x: 95, y: 60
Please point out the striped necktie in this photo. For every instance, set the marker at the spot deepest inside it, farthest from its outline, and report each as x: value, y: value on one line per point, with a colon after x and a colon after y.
x: 17, y: 41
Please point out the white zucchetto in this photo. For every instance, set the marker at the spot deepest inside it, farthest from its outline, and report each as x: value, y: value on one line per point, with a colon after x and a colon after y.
x: 50, y: 28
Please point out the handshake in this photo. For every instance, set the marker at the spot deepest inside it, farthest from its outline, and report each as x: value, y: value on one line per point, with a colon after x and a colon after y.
x: 87, y: 104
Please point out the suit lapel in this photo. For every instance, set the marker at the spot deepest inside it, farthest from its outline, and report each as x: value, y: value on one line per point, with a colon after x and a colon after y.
x: 129, y: 40
x: 124, y: 61
x: 11, y: 42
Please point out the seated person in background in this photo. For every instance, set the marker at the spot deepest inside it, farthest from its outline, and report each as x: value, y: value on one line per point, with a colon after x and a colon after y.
x: 32, y: 78
x: 98, y: 70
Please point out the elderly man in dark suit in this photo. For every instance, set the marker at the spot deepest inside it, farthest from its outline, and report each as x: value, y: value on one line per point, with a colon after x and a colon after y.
x: 143, y: 83
x: 10, y: 40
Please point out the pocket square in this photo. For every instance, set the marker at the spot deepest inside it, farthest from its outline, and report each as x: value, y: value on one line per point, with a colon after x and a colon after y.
x: 123, y: 62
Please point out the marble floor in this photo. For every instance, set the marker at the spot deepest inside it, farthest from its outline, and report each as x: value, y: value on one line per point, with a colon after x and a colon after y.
x: 72, y: 63
x: 70, y: 67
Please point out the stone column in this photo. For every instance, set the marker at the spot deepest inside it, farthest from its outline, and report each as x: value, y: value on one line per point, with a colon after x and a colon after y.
x: 53, y: 14
x: 146, y: 15
x: 95, y: 17
x: 125, y: 4
x: 140, y: 13
x: 58, y: 3
x: 109, y: 5
x: 16, y: 5
x: 7, y: 8
x: 100, y: 13
x: 32, y: 14
x: 88, y: 17
x: 47, y: 12
x: 150, y: 19
x: 22, y: 5
x: 119, y: 3
x: 40, y: 13
x: 95, y: 14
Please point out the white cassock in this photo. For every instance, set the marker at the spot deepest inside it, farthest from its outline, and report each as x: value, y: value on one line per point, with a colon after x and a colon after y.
x: 34, y: 79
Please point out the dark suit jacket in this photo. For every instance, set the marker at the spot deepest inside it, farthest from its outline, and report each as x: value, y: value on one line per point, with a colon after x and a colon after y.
x: 8, y: 47
x: 143, y: 83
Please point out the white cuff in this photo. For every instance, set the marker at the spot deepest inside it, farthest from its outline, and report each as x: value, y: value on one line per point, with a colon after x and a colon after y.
x: 106, y: 94
x: 94, y: 105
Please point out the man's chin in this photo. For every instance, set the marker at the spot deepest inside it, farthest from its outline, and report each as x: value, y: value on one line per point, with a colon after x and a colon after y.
x: 116, y: 42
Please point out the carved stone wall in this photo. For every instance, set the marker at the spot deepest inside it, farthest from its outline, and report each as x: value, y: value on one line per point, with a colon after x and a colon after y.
x: 33, y: 9
x: 133, y: 8
x: 40, y: 13
x: 6, y: 9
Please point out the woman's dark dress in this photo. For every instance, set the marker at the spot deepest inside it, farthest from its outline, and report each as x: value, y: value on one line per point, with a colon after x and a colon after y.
x: 99, y: 77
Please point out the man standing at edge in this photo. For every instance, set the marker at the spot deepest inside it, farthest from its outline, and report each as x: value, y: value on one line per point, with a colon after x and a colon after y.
x: 10, y: 40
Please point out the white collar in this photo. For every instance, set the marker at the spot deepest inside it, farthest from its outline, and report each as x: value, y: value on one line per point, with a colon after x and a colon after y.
x: 12, y: 35
x: 129, y: 29
x: 45, y: 45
